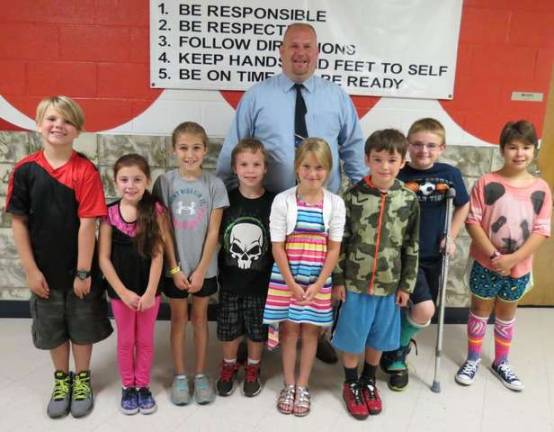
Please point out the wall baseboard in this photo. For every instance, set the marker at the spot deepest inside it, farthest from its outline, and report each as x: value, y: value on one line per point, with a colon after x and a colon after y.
x: 20, y: 309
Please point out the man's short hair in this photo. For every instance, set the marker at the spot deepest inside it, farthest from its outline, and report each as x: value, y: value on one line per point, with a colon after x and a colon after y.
x: 297, y: 25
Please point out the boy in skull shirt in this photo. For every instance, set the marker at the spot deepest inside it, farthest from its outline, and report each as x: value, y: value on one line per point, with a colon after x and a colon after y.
x: 245, y: 262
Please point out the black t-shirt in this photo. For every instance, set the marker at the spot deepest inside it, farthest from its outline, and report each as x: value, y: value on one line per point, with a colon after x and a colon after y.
x: 429, y: 186
x: 54, y: 200
x: 132, y: 269
x: 245, y: 258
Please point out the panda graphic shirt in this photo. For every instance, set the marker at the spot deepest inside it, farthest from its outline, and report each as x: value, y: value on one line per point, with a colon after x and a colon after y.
x: 509, y: 215
x: 430, y: 186
x: 245, y: 258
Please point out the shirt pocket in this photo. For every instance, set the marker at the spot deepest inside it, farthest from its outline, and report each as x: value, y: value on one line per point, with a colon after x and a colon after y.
x: 323, y: 124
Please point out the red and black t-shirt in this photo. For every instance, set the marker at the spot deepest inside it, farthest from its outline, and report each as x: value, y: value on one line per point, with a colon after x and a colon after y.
x: 53, y: 200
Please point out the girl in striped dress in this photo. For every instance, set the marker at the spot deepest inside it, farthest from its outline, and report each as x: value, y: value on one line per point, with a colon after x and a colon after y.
x: 306, y: 226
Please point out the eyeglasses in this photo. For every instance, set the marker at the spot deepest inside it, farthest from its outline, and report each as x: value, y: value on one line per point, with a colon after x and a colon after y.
x: 428, y: 146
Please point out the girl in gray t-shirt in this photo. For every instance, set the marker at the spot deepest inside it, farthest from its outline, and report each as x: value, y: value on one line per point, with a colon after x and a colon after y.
x: 195, y: 199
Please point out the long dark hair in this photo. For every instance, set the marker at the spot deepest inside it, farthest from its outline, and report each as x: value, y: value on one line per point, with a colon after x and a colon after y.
x: 148, y: 237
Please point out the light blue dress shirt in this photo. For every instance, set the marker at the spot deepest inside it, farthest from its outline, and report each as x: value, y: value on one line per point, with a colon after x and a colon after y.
x: 266, y: 112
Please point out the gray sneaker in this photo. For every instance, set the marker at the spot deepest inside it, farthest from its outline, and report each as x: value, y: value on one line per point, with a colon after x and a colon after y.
x: 203, y: 390
x: 61, y: 396
x: 82, y: 399
x: 180, y: 393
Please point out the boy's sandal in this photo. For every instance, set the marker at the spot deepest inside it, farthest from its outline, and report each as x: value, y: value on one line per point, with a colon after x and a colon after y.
x: 285, y: 402
x: 302, y: 402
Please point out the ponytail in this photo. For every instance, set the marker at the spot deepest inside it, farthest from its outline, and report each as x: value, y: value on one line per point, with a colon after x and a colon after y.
x: 148, y: 237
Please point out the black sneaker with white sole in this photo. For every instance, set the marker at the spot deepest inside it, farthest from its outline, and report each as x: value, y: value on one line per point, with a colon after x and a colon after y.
x: 466, y: 373
x: 506, y: 375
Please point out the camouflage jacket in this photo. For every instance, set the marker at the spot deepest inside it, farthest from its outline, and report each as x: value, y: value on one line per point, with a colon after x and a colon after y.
x: 380, y: 247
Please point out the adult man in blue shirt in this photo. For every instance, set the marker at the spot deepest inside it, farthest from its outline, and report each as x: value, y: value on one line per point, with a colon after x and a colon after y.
x: 267, y: 112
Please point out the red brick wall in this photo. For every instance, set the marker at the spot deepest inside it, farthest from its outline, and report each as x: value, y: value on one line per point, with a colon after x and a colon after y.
x: 97, y: 52
x: 93, y: 50
x: 505, y: 46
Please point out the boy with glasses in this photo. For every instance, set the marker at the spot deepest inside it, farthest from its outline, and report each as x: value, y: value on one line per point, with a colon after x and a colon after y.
x: 429, y: 179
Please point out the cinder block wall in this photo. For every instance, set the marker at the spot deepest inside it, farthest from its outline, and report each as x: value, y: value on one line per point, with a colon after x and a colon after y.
x: 103, y: 150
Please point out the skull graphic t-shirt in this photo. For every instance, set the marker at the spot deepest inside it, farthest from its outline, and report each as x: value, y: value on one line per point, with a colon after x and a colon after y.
x: 245, y: 257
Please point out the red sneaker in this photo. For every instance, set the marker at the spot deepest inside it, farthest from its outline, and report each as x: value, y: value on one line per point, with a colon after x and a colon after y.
x: 371, y: 397
x: 252, y: 385
x: 227, y: 378
x: 354, y: 400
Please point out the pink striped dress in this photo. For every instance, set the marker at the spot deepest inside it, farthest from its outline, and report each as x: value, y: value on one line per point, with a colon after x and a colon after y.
x: 306, y: 249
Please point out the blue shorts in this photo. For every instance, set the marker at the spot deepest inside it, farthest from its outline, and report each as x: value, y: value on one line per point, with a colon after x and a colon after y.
x: 366, y: 321
x: 487, y: 284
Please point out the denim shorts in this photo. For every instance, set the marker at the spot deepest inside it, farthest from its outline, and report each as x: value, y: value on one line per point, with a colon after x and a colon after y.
x: 65, y: 317
x: 487, y: 284
x: 366, y: 321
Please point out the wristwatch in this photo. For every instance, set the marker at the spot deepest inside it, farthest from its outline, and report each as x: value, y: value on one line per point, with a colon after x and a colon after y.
x: 82, y: 274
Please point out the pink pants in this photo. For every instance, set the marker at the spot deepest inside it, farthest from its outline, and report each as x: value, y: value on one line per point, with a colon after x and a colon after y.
x: 135, y: 342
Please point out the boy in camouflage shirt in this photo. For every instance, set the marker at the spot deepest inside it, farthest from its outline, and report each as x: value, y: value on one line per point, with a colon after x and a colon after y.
x: 377, y: 268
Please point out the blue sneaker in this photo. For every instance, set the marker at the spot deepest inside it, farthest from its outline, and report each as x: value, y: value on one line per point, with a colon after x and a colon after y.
x: 146, y: 402
x: 129, y: 401
x: 506, y: 375
x: 180, y: 392
x: 467, y: 372
x: 203, y: 390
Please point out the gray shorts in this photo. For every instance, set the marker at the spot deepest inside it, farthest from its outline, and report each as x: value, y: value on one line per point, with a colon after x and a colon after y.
x: 64, y: 316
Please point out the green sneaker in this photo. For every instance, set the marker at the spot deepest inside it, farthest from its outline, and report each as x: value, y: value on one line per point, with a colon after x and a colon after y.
x: 394, y: 364
x: 61, y: 396
x: 82, y: 399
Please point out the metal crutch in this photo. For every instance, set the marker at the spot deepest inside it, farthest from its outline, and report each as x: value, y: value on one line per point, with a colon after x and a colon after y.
x: 450, y: 194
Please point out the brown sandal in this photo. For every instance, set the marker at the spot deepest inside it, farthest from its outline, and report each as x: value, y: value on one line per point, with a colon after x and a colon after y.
x: 302, y: 402
x: 285, y: 402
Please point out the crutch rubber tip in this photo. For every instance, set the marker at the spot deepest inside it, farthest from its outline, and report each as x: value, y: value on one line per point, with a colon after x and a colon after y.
x: 436, y: 387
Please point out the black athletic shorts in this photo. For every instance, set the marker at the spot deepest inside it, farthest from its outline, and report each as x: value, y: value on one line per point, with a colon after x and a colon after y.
x: 171, y: 291
x: 428, y: 282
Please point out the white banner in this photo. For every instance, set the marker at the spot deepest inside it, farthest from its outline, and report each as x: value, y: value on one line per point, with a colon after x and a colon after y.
x: 394, y: 48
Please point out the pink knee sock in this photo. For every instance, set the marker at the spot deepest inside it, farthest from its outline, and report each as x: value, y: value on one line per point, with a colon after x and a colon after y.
x: 503, y: 334
x: 476, y: 329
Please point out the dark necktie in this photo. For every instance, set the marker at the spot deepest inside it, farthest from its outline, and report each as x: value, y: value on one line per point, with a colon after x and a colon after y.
x: 300, y: 131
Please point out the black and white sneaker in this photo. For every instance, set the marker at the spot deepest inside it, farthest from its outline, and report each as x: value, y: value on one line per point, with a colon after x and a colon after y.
x: 466, y: 374
x: 506, y: 375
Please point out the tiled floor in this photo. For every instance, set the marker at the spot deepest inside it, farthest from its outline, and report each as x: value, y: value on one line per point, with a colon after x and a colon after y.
x: 25, y: 383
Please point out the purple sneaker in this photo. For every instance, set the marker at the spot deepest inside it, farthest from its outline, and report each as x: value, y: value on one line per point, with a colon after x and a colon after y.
x: 146, y: 402
x: 129, y: 401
